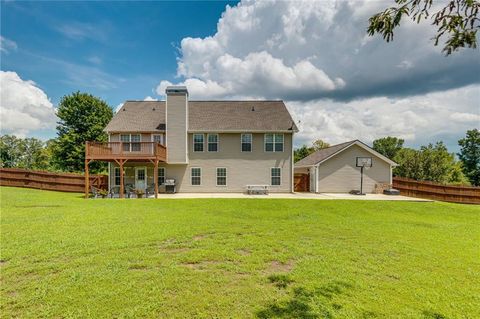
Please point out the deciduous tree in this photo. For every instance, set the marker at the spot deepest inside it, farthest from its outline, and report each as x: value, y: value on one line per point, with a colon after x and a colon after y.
x: 470, y: 156
x: 82, y: 118
x: 388, y: 146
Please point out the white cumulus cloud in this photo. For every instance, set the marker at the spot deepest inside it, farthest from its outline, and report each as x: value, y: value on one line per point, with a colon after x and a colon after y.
x: 24, y: 107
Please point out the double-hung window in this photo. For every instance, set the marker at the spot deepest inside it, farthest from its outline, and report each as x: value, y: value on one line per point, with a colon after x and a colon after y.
x: 161, y: 175
x: 246, y: 142
x: 116, y: 174
x: 221, y: 176
x: 131, y: 142
x: 274, y: 142
x: 213, y: 142
x: 196, y: 175
x: 276, y: 173
x: 158, y: 138
x: 198, y: 142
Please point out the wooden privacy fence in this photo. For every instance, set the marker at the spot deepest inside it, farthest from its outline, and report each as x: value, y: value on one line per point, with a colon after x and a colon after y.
x: 63, y: 182
x: 301, y: 182
x: 431, y: 190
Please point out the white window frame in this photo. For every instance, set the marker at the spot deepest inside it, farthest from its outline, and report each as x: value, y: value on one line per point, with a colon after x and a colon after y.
x: 271, y: 176
x: 274, y: 135
x: 203, y: 142
x: 251, y: 142
x: 208, y: 142
x: 130, y: 142
x: 162, y: 138
x: 115, y: 168
x: 191, y: 176
x: 216, y: 176
x: 164, y: 175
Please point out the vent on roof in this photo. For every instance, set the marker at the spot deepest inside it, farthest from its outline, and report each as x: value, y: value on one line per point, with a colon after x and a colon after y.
x: 253, y: 108
x: 153, y: 109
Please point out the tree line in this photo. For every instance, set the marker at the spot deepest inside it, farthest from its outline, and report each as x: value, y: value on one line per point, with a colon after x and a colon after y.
x: 432, y: 162
x: 82, y: 117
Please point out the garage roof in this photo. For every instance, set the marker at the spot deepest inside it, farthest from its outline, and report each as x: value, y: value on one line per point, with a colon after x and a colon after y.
x: 324, y: 154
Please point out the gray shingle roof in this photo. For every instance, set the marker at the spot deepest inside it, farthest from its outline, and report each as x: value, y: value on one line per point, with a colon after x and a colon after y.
x: 140, y: 116
x: 322, y: 154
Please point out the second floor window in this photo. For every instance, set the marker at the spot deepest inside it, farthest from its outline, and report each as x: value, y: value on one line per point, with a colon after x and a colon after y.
x: 213, y: 142
x: 246, y: 142
x: 273, y: 142
x: 131, y: 142
x: 198, y: 142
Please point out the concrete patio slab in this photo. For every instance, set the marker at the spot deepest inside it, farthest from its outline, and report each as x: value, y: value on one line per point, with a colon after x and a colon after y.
x: 325, y: 196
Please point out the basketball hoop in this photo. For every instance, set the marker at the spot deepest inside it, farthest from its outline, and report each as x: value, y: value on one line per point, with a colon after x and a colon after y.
x: 363, y: 163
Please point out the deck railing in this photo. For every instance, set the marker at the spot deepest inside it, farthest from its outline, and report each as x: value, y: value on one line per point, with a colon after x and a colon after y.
x: 105, y: 150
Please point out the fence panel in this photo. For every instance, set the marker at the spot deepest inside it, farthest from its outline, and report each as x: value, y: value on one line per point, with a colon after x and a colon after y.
x: 63, y: 182
x: 431, y: 190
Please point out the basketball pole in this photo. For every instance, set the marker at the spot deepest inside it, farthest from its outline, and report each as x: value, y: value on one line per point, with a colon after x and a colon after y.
x: 361, y: 180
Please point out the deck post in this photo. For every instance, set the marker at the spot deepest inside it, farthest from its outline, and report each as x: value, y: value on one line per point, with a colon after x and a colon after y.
x: 122, y: 188
x: 87, y: 179
x: 155, y: 177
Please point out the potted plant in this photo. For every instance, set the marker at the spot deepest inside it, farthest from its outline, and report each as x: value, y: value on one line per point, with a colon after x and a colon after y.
x: 139, y: 193
x: 103, y: 193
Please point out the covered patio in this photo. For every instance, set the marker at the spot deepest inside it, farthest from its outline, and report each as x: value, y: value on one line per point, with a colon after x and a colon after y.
x: 121, y: 153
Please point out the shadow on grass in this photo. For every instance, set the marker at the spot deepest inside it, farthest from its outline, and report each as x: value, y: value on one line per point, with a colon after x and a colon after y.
x: 433, y: 315
x: 306, y: 304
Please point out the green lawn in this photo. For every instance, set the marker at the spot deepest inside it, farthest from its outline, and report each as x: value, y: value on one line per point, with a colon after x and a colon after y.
x: 63, y: 256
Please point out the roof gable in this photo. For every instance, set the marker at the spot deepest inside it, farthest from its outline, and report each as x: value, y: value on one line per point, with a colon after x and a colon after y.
x: 325, y: 154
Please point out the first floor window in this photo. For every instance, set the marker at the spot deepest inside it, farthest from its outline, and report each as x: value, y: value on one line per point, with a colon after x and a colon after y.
x: 213, y: 142
x: 274, y: 142
x: 116, y: 174
x: 221, y: 176
x: 246, y: 142
x: 198, y: 142
x: 276, y: 176
x: 196, y: 176
x: 161, y: 175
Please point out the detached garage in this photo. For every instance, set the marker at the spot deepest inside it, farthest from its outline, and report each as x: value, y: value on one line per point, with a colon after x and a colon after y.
x: 338, y: 169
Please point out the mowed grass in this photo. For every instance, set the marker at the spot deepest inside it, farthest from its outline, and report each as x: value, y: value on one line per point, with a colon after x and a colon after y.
x: 66, y: 257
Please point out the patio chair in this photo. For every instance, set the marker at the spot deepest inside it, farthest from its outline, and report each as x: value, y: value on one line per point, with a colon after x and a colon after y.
x: 95, y: 192
x: 150, y: 190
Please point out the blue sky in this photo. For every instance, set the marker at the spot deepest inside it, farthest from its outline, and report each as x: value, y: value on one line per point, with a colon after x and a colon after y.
x: 339, y: 83
x: 116, y: 51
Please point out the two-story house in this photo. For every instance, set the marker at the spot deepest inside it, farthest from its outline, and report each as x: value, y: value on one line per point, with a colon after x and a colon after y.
x: 205, y: 146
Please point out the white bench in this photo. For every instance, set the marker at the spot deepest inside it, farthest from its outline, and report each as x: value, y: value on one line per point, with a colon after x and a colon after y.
x: 257, y: 189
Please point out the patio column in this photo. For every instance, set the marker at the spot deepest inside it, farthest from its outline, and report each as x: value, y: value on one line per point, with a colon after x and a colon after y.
x: 155, y: 177
x: 87, y: 179
x: 122, y: 188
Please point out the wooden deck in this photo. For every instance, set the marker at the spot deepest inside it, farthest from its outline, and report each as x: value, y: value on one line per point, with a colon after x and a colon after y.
x: 135, y: 151
x: 121, y: 153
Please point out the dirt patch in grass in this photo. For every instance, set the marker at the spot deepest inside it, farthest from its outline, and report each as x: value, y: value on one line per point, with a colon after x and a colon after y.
x: 137, y: 267
x: 199, y: 237
x: 3, y: 262
x: 279, y: 267
x: 200, y: 265
x: 244, y: 251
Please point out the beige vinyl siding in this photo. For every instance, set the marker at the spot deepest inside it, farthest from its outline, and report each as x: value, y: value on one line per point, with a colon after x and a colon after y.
x: 176, y: 128
x: 243, y: 168
x: 339, y: 174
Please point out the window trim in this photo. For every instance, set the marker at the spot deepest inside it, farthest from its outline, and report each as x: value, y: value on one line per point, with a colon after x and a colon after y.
x: 273, y: 150
x: 241, y: 143
x: 271, y: 176
x: 191, y: 176
x: 208, y: 142
x: 203, y: 142
x: 115, y: 176
x: 130, y: 141
x: 164, y: 175
x: 216, y: 176
x: 159, y: 134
